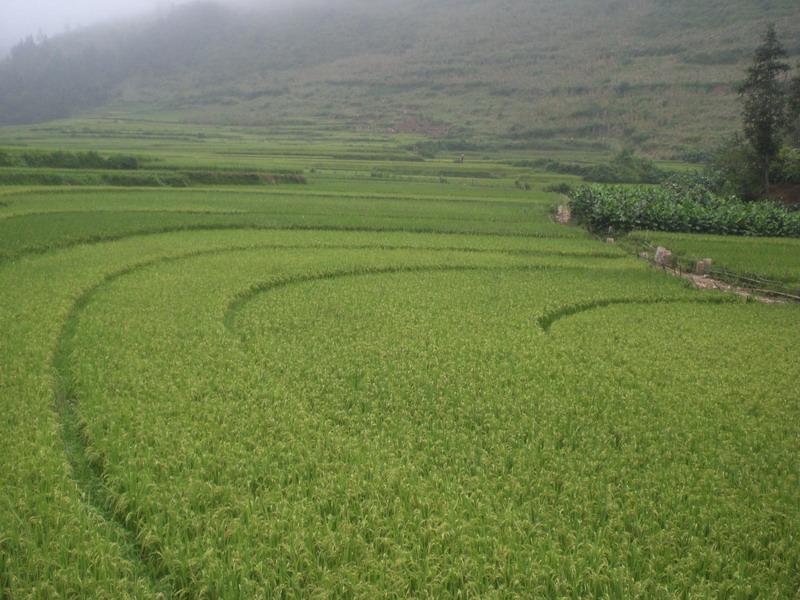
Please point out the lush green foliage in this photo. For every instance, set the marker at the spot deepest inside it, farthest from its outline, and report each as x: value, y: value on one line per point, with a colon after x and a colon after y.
x: 64, y: 168
x: 748, y: 167
x: 374, y: 388
x: 60, y: 159
x: 765, y: 102
x: 620, y: 209
x: 732, y: 169
x: 144, y: 179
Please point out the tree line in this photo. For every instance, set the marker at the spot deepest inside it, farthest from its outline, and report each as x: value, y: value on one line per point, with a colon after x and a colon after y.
x: 771, y: 116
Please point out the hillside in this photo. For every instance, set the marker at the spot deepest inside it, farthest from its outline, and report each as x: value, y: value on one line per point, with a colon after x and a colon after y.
x: 657, y: 74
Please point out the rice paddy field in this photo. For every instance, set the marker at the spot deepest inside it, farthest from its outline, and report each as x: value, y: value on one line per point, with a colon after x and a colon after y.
x: 777, y: 259
x: 401, y: 379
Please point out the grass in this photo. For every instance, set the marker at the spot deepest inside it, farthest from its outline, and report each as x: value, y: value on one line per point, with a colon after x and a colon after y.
x: 776, y: 259
x: 376, y: 388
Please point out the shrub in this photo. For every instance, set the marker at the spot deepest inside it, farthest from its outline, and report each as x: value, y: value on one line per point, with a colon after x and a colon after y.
x: 733, y: 170
x: 787, y: 166
x: 60, y: 159
x: 625, y: 167
x: 560, y: 188
x: 122, y: 162
x: 696, y: 156
x: 144, y: 180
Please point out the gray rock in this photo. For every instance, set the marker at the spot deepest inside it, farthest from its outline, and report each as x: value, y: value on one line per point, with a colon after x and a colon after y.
x: 564, y: 214
x: 664, y: 257
x: 703, y: 267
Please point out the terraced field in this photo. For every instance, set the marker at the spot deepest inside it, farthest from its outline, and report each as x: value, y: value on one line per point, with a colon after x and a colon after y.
x: 777, y: 259
x: 393, y: 393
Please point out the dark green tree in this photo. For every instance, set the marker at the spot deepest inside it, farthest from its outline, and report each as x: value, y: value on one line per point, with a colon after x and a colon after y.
x: 794, y: 109
x: 764, y: 97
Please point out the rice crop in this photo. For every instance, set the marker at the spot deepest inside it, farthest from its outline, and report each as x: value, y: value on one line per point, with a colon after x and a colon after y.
x: 316, y: 393
x: 777, y: 259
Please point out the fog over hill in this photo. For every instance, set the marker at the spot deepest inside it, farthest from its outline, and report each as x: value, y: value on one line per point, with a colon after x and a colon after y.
x: 658, y: 74
x: 22, y: 18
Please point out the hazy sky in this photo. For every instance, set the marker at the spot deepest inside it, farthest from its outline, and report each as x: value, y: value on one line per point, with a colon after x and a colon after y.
x: 19, y: 18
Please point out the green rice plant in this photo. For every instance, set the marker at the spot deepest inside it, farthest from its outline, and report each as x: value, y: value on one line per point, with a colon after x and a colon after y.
x: 377, y: 389
x: 773, y: 259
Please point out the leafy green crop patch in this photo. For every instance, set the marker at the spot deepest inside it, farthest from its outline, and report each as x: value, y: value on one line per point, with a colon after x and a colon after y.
x: 363, y: 388
x: 675, y: 208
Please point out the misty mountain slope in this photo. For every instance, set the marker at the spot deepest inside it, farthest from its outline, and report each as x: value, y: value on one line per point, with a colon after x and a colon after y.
x: 655, y: 73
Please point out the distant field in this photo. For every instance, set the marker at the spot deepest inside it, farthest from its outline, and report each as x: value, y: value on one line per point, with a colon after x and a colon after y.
x: 389, y: 382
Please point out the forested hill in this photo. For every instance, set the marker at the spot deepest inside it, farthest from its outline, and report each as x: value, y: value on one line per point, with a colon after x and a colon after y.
x: 658, y: 74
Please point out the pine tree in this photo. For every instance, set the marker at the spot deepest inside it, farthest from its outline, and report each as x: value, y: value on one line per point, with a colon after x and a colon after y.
x: 794, y: 109
x: 765, y: 102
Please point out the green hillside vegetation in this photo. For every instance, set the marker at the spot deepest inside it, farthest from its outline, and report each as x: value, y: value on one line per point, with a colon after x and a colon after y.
x: 655, y: 74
